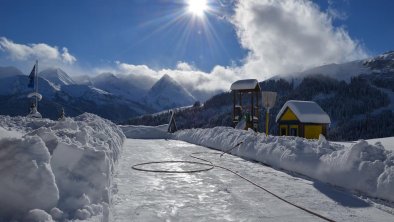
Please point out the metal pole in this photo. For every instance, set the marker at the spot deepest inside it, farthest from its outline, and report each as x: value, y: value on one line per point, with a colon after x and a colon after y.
x: 266, y: 121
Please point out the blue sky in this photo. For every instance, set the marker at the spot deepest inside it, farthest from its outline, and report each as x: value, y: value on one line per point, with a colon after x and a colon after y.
x: 160, y: 34
x: 99, y: 31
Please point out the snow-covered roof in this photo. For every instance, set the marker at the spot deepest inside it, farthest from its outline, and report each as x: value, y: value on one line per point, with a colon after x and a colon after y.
x: 245, y: 84
x: 305, y: 111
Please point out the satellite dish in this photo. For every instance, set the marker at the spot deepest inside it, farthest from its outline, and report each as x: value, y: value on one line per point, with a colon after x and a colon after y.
x: 269, y: 99
x: 36, y: 95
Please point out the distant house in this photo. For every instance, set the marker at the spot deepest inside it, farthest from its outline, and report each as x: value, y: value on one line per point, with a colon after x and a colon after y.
x: 302, y: 118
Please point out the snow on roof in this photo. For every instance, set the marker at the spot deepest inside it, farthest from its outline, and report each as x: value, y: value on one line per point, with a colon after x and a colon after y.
x: 245, y: 84
x: 306, y: 112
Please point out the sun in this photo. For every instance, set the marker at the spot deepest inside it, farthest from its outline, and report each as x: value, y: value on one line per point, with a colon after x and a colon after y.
x: 197, y: 7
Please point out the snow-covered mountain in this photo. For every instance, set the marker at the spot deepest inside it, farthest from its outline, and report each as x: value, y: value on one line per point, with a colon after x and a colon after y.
x: 383, y: 63
x: 9, y: 71
x: 59, y: 90
x: 358, y: 96
x: 121, y: 85
x: 132, y: 94
x: 167, y: 93
x: 57, y: 77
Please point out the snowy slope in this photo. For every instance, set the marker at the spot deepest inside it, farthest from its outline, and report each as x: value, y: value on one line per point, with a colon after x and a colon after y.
x: 57, y: 76
x: 345, y: 71
x: 59, y: 90
x: 167, y: 93
x: 17, y: 85
x: 9, y: 71
x: 387, y: 142
x: 125, y: 86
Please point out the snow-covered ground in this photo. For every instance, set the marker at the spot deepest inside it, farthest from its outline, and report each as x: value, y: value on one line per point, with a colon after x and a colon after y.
x: 360, y: 167
x: 63, y: 170
x: 387, y: 142
x: 57, y: 169
x: 218, y: 195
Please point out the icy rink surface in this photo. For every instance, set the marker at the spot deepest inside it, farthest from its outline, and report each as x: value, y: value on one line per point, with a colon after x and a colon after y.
x: 218, y: 195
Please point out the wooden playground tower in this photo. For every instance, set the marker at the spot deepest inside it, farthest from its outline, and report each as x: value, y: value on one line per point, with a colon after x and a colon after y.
x: 244, y: 108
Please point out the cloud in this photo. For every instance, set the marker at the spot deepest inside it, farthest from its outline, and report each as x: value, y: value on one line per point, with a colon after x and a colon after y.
x: 290, y: 36
x: 67, y: 57
x: 286, y: 36
x: 40, y: 51
x: 194, y: 80
x: 184, y: 66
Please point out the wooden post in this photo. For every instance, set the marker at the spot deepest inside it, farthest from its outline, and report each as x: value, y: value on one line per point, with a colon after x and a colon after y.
x: 252, y: 106
x: 266, y: 121
x: 234, y: 100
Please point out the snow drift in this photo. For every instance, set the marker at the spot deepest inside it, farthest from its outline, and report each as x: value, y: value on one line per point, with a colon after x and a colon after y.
x: 62, y: 167
x: 361, y: 167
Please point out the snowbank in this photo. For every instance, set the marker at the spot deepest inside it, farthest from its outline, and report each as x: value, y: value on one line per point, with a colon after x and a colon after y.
x: 361, y: 167
x: 62, y: 167
x: 146, y: 132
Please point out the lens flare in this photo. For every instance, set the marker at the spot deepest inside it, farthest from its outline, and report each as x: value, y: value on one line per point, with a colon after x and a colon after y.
x: 197, y: 7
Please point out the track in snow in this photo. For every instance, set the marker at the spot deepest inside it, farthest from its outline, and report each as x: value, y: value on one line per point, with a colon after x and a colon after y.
x: 218, y: 195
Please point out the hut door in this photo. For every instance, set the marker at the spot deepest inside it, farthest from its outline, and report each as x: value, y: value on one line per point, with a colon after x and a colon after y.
x: 283, y: 130
x: 294, y: 130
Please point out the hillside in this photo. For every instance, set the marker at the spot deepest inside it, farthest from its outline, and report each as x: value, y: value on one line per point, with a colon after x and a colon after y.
x: 361, y: 106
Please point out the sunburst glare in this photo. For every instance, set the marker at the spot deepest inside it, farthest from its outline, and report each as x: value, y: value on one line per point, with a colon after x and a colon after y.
x: 197, y: 7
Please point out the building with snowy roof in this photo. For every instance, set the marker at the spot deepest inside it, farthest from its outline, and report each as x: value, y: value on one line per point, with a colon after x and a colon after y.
x: 302, y: 118
x: 244, y: 109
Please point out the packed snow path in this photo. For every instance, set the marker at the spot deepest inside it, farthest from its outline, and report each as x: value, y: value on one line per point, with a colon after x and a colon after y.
x: 218, y: 195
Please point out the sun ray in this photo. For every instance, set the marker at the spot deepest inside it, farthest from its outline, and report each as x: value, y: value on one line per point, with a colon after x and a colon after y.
x: 197, y: 7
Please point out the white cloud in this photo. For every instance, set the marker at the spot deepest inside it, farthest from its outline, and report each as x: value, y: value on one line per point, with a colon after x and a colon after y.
x: 289, y: 36
x: 40, y: 51
x: 219, y: 78
x: 67, y: 57
x: 136, y: 69
x: 184, y: 66
x: 283, y: 36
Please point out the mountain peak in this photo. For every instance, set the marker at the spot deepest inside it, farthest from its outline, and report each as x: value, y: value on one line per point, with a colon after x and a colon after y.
x: 168, y: 93
x: 57, y: 76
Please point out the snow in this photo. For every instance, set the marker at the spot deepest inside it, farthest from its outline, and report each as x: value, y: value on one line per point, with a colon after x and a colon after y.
x: 167, y: 93
x: 146, y: 132
x: 62, y: 167
x: 27, y: 181
x: 342, y: 71
x: 245, y: 84
x: 57, y: 77
x: 386, y: 142
x: 362, y: 167
x: 218, y: 195
x: 306, y: 112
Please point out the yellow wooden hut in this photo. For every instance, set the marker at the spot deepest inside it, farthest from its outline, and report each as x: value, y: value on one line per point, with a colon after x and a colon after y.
x: 302, y: 118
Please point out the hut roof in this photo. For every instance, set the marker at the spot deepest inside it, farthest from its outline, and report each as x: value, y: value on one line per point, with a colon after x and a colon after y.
x: 306, y: 112
x: 246, y: 84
